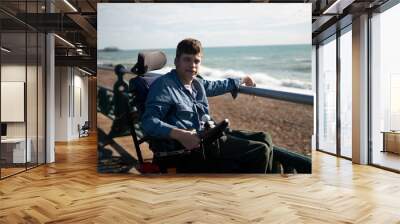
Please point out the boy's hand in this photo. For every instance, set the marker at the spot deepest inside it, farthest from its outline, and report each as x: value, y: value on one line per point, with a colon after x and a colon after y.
x: 189, y: 139
x: 248, y: 81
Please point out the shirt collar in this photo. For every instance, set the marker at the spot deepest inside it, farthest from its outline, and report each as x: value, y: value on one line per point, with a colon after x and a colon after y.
x: 180, y: 84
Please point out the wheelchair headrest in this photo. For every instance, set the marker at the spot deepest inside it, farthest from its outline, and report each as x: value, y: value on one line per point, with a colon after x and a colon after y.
x: 148, y: 61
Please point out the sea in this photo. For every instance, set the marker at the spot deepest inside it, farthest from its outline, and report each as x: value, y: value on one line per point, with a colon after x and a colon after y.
x: 281, y: 67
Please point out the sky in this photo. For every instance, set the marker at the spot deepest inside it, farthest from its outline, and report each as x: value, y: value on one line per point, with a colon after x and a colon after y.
x: 159, y: 26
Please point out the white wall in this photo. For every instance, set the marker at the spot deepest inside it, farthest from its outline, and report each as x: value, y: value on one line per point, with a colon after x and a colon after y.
x: 82, y: 83
x: 61, y: 103
x: 14, y: 73
x: 71, y: 94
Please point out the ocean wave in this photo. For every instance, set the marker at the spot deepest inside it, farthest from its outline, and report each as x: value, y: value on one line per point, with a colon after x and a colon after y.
x: 262, y: 79
x: 302, y: 60
x: 296, y: 84
x: 252, y: 58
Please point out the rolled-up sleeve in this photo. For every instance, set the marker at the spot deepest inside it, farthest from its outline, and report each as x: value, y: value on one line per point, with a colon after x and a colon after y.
x: 219, y: 87
x: 158, y: 104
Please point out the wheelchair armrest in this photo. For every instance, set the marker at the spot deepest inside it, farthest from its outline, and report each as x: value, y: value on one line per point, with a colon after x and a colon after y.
x: 162, y: 147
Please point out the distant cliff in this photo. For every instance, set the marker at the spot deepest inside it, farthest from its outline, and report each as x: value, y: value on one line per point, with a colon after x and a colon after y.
x: 109, y: 49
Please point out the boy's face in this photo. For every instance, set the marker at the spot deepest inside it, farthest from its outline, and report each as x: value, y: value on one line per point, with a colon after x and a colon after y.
x: 188, y: 65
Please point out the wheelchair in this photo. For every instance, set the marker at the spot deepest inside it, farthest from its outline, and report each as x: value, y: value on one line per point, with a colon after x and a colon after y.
x: 125, y: 105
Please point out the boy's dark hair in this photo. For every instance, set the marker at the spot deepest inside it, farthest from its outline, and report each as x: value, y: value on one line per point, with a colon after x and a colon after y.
x: 189, y: 46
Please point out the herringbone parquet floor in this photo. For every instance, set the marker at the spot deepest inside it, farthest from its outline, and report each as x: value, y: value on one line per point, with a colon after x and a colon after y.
x: 71, y: 191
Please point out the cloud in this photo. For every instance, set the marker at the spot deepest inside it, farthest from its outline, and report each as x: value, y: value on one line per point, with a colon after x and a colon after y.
x: 139, y: 26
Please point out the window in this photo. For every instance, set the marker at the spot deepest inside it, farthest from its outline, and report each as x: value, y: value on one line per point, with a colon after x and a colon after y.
x: 327, y: 96
x: 346, y: 93
x: 385, y: 88
x: 22, y: 68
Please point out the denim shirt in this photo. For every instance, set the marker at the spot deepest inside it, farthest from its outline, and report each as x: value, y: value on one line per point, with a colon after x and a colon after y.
x: 170, y: 105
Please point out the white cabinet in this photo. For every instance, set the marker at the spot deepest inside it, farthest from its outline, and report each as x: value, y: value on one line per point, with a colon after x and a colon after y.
x: 17, y: 148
